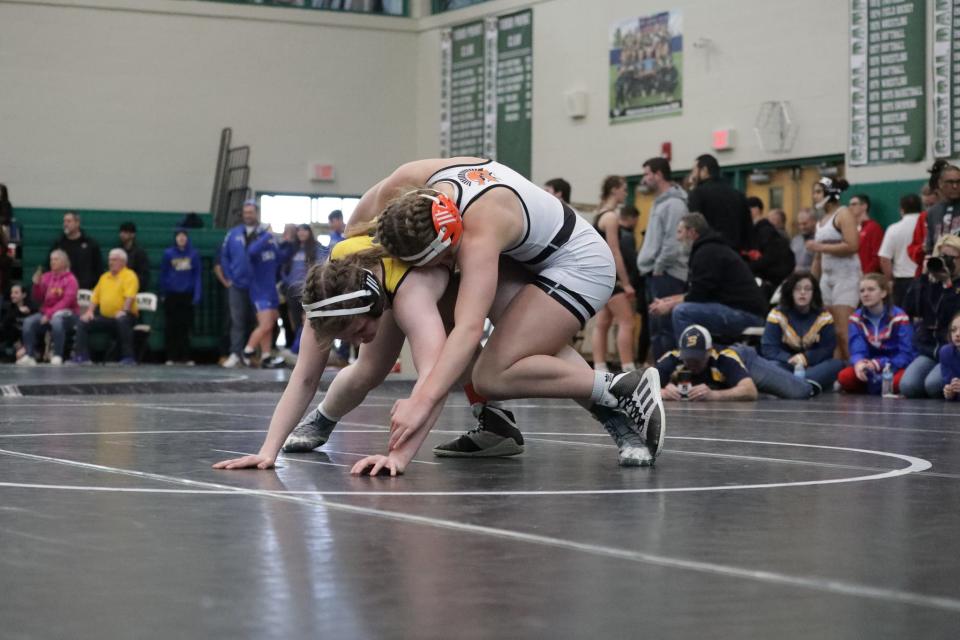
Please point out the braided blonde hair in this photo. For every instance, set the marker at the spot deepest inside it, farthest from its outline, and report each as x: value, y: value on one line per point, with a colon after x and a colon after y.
x: 405, y: 227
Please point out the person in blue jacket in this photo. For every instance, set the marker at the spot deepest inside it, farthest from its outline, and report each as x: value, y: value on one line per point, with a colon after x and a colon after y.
x: 950, y: 361
x: 264, y: 262
x: 297, y: 256
x: 237, y: 274
x: 800, y: 332
x: 881, y: 334
x: 181, y: 290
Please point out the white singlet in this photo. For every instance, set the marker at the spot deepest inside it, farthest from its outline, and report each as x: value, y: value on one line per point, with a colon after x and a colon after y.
x: 572, y: 262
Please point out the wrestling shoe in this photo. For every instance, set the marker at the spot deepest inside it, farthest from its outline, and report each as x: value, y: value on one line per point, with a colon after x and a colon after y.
x: 313, y: 431
x: 631, y: 449
x: 638, y: 396
x: 496, y: 435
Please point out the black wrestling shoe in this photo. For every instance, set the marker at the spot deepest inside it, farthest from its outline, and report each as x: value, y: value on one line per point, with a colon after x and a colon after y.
x: 313, y: 431
x: 495, y: 436
x: 638, y: 397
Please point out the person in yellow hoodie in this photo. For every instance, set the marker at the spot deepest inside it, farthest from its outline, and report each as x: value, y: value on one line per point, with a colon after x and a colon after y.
x: 113, y: 308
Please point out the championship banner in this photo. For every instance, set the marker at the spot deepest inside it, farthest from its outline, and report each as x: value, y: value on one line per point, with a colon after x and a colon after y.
x: 646, y: 67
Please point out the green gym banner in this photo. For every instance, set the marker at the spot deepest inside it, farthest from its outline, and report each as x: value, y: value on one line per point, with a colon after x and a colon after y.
x: 946, y: 78
x: 887, y: 81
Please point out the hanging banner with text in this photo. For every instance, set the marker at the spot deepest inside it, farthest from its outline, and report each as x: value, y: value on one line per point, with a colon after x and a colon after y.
x: 487, y: 90
x: 887, y: 81
x: 946, y: 78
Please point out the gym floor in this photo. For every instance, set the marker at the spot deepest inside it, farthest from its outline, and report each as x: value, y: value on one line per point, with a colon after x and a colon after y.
x: 833, y: 518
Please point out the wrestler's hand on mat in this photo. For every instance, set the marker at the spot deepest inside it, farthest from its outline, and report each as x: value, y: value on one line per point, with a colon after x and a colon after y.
x: 700, y: 392
x: 407, y: 416
x: 247, y: 462
x: 376, y: 463
x: 671, y: 392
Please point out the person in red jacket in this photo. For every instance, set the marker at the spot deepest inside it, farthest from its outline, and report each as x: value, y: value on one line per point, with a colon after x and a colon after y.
x: 929, y: 195
x: 871, y: 234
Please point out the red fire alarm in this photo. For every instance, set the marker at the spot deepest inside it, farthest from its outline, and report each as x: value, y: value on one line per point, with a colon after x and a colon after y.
x: 666, y: 151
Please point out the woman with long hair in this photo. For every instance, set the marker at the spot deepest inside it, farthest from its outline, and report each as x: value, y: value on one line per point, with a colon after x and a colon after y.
x: 555, y: 272
x: 619, y: 308
x: 801, y: 333
x: 836, y: 264
x: 303, y: 253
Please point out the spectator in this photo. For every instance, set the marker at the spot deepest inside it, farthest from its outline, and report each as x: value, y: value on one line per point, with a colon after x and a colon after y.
x: 629, y: 217
x: 662, y: 261
x: 836, y: 263
x: 6, y: 265
x: 304, y: 253
x: 86, y: 262
x: 806, y: 228
x: 284, y: 251
x: 800, y: 332
x: 181, y: 290
x: 897, y: 265
x: 237, y: 274
x: 950, y: 361
x: 724, y: 208
x: 778, y: 218
x: 226, y: 331
x: 871, y: 234
x: 263, y: 294
x: 929, y: 196
x: 56, y: 293
x: 6, y: 209
x: 337, y: 226
x: 12, y: 316
x: 137, y: 258
x: 772, y: 260
x: 559, y: 188
x: 113, y: 308
x: 696, y: 371
x: 880, y: 335
x: 722, y: 294
x: 933, y: 298
x: 619, y: 308
x: 943, y: 218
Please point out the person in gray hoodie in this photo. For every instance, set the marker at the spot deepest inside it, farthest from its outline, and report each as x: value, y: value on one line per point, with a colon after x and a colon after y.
x: 662, y: 261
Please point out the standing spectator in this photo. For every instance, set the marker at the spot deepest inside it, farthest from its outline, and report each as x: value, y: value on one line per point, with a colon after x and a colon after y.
x: 137, y: 258
x: 662, y: 261
x: 619, y: 309
x: 284, y: 251
x: 12, y: 316
x: 880, y: 335
x: 181, y: 290
x: 304, y: 253
x: 933, y: 298
x: 235, y: 265
x: 929, y: 196
x: 337, y: 226
x: 56, y: 293
x: 263, y: 295
x: 871, y: 234
x: 772, y: 260
x: 950, y: 361
x: 778, y: 218
x: 800, y: 332
x: 6, y: 264
x: 724, y: 208
x: 836, y: 263
x: 86, y: 262
x: 722, y: 294
x: 6, y: 209
x: 226, y: 331
x: 113, y: 308
x: 943, y: 218
x: 629, y: 217
x: 897, y: 266
x: 559, y: 188
x: 806, y: 228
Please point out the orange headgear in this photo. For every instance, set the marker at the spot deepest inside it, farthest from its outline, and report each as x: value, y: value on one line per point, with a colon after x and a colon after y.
x: 446, y: 221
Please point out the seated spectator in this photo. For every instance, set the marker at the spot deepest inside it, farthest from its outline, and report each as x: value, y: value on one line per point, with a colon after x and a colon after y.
x: 697, y: 371
x: 722, y: 294
x: 895, y: 262
x: 86, y: 263
x: 806, y: 229
x: 880, y: 336
x: 871, y: 234
x: 137, y: 259
x: 56, y: 293
x: 933, y: 298
x: 12, y: 315
x: 181, y: 289
x: 772, y: 260
x: 950, y: 361
x: 800, y: 332
x: 113, y: 308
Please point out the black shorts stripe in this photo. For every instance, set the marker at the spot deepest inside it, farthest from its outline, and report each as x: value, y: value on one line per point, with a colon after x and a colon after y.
x: 558, y: 296
x: 573, y: 294
x: 561, y: 237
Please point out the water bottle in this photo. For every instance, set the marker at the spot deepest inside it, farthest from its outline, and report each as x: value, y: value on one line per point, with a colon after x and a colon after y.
x: 800, y: 371
x: 887, y: 387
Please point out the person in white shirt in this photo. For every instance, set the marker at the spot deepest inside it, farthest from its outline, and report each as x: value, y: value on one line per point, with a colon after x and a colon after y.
x: 898, y: 267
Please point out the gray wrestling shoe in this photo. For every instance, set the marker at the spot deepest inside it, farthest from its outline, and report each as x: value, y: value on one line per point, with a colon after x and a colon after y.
x: 638, y: 397
x: 313, y: 431
x: 496, y: 435
x: 632, y: 452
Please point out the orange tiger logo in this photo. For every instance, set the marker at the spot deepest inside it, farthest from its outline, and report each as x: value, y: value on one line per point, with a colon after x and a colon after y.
x: 478, y: 176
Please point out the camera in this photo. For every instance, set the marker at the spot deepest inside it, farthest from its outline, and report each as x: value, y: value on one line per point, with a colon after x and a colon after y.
x: 683, y: 384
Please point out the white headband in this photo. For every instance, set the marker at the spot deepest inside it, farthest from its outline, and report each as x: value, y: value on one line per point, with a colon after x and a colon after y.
x: 436, y: 247
x: 315, y: 309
